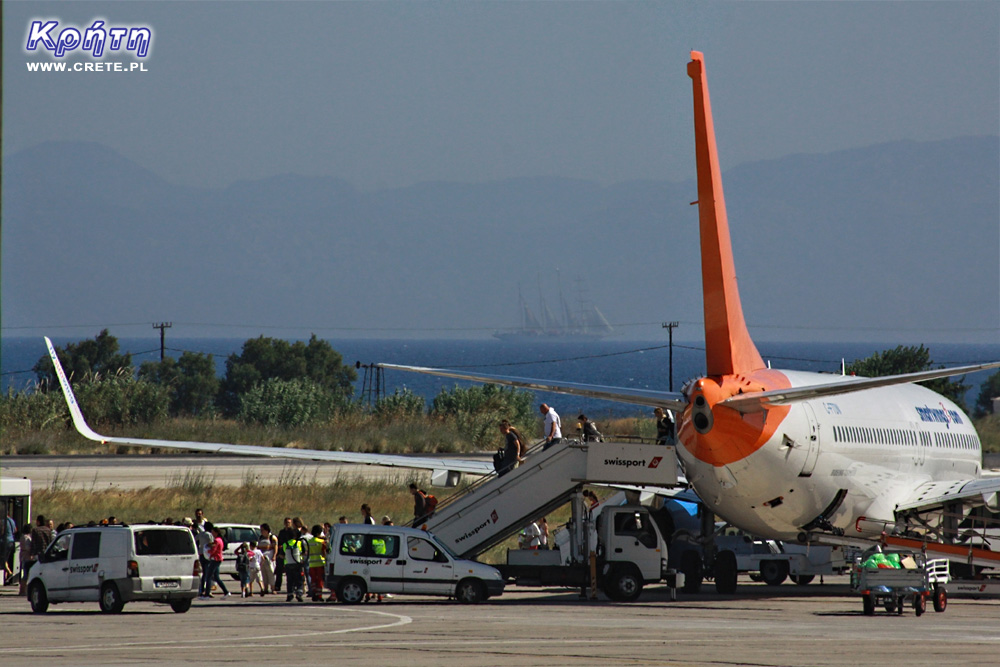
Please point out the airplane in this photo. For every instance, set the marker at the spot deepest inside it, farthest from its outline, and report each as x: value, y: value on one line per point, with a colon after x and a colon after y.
x: 784, y: 455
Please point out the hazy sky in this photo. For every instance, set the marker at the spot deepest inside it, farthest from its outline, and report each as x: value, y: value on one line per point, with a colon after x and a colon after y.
x: 386, y: 94
x: 389, y: 94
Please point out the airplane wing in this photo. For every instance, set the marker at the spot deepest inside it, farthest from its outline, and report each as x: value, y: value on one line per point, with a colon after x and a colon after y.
x: 444, y: 469
x: 674, y: 401
x: 755, y: 402
x: 934, y: 494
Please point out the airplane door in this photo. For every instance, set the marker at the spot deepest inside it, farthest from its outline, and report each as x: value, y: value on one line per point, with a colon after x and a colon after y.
x: 812, y: 441
x: 427, y: 569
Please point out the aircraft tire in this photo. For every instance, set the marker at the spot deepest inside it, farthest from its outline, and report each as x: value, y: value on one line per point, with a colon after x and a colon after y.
x: 726, y: 571
x: 691, y: 567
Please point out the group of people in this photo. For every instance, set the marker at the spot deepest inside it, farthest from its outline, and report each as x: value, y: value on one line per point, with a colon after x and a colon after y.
x: 296, y: 556
x: 515, y: 446
x: 32, y: 539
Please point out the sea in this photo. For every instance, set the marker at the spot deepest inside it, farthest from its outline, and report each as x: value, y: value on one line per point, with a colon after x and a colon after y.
x: 610, y: 362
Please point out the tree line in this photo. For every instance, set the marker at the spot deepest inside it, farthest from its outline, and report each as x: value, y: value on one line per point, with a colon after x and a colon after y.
x: 271, y: 382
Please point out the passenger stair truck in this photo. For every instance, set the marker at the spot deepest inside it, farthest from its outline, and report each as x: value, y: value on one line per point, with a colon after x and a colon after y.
x: 629, y: 550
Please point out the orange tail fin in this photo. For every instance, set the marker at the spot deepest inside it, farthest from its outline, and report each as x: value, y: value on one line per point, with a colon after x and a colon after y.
x: 728, y: 347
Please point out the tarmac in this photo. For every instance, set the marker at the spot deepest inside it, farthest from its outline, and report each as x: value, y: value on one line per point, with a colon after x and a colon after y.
x: 760, y: 625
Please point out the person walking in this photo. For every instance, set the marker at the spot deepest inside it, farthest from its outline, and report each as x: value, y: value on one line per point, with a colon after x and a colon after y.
x: 665, y: 431
x: 268, y: 546
x: 284, y: 535
x: 317, y: 562
x: 293, y: 550
x: 215, y: 563
x: 366, y: 515
x: 419, y: 504
x: 553, y: 426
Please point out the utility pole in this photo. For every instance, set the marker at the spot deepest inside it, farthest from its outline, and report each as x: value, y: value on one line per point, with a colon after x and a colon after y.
x: 162, y: 326
x: 670, y: 326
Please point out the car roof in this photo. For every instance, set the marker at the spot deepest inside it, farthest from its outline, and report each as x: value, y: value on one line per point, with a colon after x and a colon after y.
x: 124, y: 526
x: 369, y: 528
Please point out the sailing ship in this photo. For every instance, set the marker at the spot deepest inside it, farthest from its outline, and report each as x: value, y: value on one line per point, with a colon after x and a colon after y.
x: 586, y: 323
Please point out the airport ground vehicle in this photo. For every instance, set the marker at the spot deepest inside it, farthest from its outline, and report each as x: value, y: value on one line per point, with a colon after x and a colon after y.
x: 235, y: 534
x: 624, y: 552
x: 395, y: 559
x: 113, y: 565
x: 917, y: 579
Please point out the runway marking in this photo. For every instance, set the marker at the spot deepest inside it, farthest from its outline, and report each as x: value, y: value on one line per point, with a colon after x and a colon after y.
x: 400, y: 620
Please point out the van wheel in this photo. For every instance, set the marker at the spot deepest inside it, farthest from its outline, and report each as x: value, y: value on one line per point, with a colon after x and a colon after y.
x: 470, y: 591
x: 111, y: 600
x: 351, y: 590
x: 180, y: 606
x: 802, y: 579
x: 624, y: 585
x: 38, y: 598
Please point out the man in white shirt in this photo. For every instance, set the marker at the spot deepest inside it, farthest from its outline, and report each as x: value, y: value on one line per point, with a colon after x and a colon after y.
x: 553, y: 426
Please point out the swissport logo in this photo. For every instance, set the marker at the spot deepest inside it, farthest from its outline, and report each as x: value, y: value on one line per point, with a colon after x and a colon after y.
x: 633, y: 463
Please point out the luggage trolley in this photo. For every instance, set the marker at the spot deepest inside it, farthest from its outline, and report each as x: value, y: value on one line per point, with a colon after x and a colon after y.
x: 917, y: 579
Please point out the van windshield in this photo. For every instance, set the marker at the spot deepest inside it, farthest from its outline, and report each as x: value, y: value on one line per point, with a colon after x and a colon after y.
x: 159, y: 542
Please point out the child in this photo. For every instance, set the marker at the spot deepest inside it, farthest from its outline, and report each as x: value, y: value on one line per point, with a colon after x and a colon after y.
x: 243, y: 566
x: 254, y: 558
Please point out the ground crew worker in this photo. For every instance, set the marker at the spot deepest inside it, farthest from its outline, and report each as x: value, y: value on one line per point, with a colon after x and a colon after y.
x: 317, y: 562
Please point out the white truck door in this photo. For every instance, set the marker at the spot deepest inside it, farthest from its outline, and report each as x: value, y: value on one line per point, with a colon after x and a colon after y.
x: 427, y: 569
x: 632, y: 538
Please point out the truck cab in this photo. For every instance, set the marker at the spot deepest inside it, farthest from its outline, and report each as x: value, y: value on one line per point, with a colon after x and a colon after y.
x: 623, y: 541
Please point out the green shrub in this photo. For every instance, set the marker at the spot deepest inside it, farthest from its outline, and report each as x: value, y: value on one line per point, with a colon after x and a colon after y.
x: 400, y: 404
x: 477, y: 411
x: 288, y: 403
x: 121, y: 400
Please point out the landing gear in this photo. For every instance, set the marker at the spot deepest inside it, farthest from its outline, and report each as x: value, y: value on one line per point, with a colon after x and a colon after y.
x: 691, y: 567
x: 725, y: 572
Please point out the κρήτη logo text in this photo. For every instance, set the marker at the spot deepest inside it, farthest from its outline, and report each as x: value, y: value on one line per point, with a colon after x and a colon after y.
x: 96, y: 41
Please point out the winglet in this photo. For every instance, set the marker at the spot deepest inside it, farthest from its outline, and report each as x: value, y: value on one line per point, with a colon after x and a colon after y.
x: 728, y: 346
x: 74, y: 408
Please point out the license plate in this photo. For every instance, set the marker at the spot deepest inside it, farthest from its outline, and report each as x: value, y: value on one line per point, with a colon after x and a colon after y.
x: 166, y: 583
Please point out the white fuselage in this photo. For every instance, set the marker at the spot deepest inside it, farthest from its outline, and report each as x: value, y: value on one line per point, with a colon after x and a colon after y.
x: 877, y: 445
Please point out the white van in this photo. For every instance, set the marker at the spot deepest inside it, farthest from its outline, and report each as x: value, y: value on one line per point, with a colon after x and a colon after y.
x: 394, y: 559
x: 113, y: 565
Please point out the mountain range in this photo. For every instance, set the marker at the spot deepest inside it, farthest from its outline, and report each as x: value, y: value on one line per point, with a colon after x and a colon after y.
x: 893, y: 241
